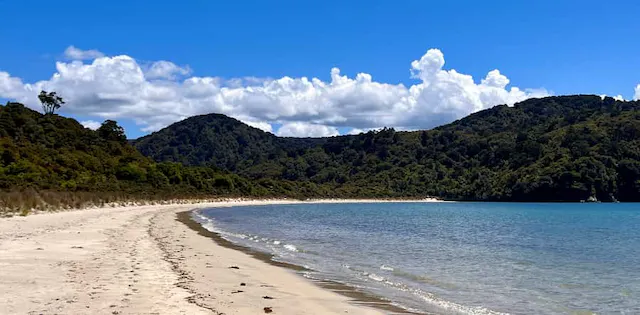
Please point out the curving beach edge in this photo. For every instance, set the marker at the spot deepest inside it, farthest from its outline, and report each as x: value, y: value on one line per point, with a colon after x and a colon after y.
x: 144, y: 260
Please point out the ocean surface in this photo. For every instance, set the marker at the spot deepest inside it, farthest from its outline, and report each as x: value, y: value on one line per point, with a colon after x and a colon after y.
x: 457, y: 258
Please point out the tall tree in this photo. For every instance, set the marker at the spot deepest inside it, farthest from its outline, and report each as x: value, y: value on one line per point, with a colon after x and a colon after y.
x: 50, y: 101
x: 109, y: 130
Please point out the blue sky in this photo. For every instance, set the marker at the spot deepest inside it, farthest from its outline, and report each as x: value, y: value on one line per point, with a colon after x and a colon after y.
x: 564, y: 47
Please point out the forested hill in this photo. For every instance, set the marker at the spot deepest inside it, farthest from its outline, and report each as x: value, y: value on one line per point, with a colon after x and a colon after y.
x: 220, y: 141
x: 50, y: 160
x: 565, y: 148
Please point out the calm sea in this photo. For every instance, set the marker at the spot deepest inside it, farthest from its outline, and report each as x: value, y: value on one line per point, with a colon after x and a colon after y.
x: 457, y: 258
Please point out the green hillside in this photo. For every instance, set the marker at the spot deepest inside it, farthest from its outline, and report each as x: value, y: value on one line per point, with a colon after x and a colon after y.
x: 53, y: 160
x: 566, y: 148
x: 220, y: 140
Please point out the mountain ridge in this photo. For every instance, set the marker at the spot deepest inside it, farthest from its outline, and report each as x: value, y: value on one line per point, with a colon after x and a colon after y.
x: 493, y: 154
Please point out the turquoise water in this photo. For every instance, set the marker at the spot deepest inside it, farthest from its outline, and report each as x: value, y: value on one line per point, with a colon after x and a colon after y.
x: 457, y: 258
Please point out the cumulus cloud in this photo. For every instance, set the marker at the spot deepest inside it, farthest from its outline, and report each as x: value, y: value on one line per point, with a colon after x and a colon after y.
x: 357, y: 131
x: 636, y: 96
x: 618, y: 97
x: 303, y: 129
x: 91, y: 124
x: 74, y: 53
x: 166, y: 70
x: 262, y: 125
x: 157, y: 94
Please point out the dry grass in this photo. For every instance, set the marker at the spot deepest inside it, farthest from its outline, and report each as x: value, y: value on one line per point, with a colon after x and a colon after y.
x: 29, y: 201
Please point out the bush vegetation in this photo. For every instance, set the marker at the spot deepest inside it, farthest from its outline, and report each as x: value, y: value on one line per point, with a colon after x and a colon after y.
x: 49, y: 161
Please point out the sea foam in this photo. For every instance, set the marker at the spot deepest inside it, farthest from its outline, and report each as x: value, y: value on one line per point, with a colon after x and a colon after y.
x: 290, y: 247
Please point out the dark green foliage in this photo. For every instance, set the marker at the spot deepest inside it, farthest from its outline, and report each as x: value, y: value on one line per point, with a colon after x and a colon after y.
x: 220, y: 140
x: 58, y: 155
x: 550, y: 149
x: 110, y: 131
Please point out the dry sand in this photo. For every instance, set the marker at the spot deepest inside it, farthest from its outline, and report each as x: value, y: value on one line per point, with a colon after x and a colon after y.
x: 141, y: 260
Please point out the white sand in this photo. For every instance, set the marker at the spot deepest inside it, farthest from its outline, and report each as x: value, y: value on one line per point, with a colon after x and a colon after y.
x: 140, y: 260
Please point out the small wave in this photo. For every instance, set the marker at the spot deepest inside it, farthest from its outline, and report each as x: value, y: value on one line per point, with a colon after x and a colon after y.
x: 290, y: 247
x: 455, y: 307
x: 205, y: 222
x: 431, y: 298
x: 200, y: 218
x: 209, y: 225
x: 427, y: 297
x: 276, y: 242
x: 387, y: 268
x: 375, y: 277
x: 226, y: 235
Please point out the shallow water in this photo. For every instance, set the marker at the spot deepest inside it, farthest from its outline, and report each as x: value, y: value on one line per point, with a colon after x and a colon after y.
x: 457, y: 258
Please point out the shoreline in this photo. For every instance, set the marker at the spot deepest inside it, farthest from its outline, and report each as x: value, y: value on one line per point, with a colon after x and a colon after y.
x: 45, y: 208
x: 141, y: 259
x: 358, y: 297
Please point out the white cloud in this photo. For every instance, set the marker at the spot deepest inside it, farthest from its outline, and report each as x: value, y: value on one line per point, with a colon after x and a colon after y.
x: 154, y: 96
x: 166, y: 70
x: 303, y: 129
x: 74, y: 53
x: 357, y: 131
x: 262, y: 125
x: 91, y: 124
x: 13, y: 88
x: 636, y: 96
x: 618, y: 97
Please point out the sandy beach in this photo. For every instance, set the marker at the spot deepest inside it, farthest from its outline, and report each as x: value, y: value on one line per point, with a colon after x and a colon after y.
x: 142, y: 260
